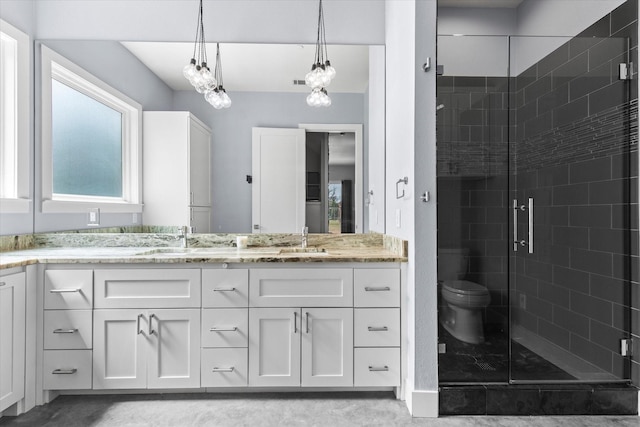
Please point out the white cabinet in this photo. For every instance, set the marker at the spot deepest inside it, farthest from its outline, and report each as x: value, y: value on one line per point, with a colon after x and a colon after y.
x: 12, y: 339
x: 176, y: 170
x: 146, y: 328
x: 68, y: 331
x: 155, y: 348
x: 301, y: 327
x: 312, y: 347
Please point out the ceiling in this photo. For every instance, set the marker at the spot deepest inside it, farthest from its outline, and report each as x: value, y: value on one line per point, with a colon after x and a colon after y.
x: 509, y: 4
x: 258, y: 67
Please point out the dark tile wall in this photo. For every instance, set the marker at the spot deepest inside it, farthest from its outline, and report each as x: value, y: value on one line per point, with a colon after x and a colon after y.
x: 472, y: 161
x: 576, y: 154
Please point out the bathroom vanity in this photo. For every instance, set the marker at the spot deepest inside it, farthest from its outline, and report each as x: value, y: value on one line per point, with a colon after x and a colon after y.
x: 215, y: 319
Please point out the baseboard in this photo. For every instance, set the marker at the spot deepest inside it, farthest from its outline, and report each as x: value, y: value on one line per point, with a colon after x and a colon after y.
x: 422, y: 403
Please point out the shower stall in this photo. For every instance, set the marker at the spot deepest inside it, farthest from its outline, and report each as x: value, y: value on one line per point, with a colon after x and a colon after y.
x: 537, y: 162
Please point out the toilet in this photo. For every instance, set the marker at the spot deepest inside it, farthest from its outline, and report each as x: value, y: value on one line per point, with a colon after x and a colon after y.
x: 464, y: 301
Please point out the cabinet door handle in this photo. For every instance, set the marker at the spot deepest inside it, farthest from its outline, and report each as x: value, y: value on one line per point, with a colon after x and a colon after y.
x: 64, y: 290
x: 151, y: 330
x: 307, y: 318
x: 224, y: 289
x: 218, y: 329
x: 65, y: 331
x: 377, y: 289
x: 138, y: 324
x: 64, y: 371
x: 378, y: 368
x: 230, y: 369
x: 295, y: 322
x: 377, y: 328
x: 3, y: 284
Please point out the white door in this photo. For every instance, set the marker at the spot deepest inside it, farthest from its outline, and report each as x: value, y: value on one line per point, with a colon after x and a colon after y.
x: 174, y: 354
x: 278, y: 192
x: 327, y: 347
x: 119, y: 348
x: 12, y: 339
x: 274, y: 346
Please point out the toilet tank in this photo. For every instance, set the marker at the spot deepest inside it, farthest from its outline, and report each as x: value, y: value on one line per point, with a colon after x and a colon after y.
x: 453, y: 263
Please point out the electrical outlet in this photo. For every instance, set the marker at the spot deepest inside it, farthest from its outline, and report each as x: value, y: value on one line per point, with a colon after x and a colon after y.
x: 134, y: 218
x: 523, y: 301
x: 398, y: 221
x: 94, y: 216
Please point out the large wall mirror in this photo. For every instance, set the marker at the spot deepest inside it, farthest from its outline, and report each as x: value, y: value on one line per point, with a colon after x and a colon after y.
x: 264, y: 82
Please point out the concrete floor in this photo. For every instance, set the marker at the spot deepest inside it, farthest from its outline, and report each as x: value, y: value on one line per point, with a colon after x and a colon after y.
x: 266, y: 409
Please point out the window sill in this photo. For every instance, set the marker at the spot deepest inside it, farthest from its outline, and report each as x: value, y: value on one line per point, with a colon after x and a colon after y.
x: 64, y: 206
x: 15, y: 206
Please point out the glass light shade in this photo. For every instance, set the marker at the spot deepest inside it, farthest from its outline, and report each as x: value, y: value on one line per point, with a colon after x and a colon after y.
x: 189, y: 71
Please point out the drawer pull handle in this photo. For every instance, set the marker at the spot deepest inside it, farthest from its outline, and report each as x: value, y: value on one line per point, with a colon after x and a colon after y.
x: 217, y: 329
x: 377, y: 289
x: 65, y: 331
x: 231, y: 369
x: 3, y: 284
x: 138, y: 324
x: 64, y: 371
x: 384, y: 368
x: 224, y: 289
x: 64, y: 290
x: 377, y: 329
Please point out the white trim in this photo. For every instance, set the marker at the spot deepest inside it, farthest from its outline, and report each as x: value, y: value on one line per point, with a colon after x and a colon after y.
x: 65, y: 71
x: 423, y: 403
x: 359, y: 181
x: 21, y: 202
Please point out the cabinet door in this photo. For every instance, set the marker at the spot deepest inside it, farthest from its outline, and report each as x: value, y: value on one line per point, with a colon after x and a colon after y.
x: 174, y: 353
x: 199, y: 165
x: 12, y: 339
x: 327, y: 347
x: 274, y: 346
x: 200, y: 219
x: 119, y: 348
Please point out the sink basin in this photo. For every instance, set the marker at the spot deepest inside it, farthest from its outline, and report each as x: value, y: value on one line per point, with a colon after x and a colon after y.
x: 305, y: 251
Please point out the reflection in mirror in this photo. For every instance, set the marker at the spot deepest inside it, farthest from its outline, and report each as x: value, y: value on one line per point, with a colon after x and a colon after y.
x: 151, y: 74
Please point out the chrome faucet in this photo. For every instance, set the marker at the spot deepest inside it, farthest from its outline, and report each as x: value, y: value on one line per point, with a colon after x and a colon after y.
x: 305, y: 236
x: 182, y: 235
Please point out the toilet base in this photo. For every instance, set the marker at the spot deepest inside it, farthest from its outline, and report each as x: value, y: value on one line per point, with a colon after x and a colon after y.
x: 465, y: 325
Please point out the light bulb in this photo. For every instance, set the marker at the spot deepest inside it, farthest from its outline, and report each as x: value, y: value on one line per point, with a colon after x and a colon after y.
x: 190, y: 70
x: 331, y: 72
x: 226, y: 101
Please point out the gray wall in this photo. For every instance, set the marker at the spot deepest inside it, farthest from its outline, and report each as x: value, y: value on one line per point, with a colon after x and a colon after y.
x: 231, y: 140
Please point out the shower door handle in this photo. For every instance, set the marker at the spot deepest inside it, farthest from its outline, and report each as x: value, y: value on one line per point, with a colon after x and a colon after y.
x: 529, y: 209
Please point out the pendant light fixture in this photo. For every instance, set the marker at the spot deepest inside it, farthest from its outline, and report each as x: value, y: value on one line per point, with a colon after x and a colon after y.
x: 197, y: 71
x: 321, y: 72
x: 218, y: 96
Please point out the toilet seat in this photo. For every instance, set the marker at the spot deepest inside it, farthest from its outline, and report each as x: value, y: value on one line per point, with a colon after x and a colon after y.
x: 464, y: 287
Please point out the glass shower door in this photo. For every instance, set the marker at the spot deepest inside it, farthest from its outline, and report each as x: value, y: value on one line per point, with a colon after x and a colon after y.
x: 570, y: 265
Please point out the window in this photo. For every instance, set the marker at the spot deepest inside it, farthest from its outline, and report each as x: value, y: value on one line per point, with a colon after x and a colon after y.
x: 90, y: 141
x: 14, y: 120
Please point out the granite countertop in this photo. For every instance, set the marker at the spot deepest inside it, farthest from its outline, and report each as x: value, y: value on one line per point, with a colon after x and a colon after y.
x: 92, y: 250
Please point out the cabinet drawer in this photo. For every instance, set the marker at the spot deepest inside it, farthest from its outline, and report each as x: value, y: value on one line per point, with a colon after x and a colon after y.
x: 147, y: 288
x: 308, y: 287
x: 67, y: 369
x: 376, y: 367
x: 376, y: 288
x: 225, y: 288
x: 68, y: 329
x: 225, y: 327
x: 68, y: 289
x: 376, y: 327
x: 224, y: 367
